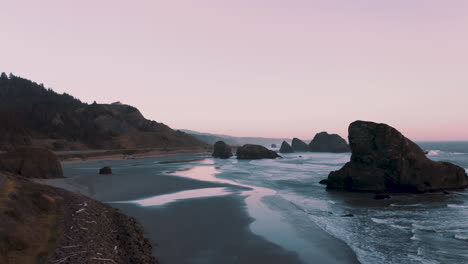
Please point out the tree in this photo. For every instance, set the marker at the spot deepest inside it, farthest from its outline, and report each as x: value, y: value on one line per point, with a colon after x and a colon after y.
x: 3, y: 76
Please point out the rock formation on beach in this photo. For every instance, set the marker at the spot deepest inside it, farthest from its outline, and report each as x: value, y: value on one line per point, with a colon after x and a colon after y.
x: 105, y: 170
x: 31, y: 162
x: 286, y: 148
x: 383, y: 160
x: 274, y: 145
x: 221, y: 150
x: 299, y: 145
x: 324, y: 142
x: 250, y: 151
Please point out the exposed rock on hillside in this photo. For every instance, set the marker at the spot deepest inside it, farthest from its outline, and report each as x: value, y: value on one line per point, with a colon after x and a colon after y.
x: 250, y: 151
x: 383, y: 160
x: 324, y: 142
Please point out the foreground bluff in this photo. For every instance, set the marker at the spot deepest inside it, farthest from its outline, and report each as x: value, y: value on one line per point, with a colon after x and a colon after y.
x: 250, y: 151
x: 384, y: 160
x: 324, y: 142
x: 221, y: 150
x: 31, y: 163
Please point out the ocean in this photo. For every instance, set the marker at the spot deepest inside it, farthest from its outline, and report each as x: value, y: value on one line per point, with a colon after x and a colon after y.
x: 287, y: 203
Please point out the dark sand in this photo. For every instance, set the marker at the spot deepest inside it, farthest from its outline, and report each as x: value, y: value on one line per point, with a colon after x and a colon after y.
x: 203, y: 230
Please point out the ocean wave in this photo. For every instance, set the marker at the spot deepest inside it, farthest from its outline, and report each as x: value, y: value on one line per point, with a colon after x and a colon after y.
x: 408, y: 205
x: 440, y: 152
x: 457, y: 206
x: 381, y: 221
x: 460, y: 237
x: 416, y: 238
x: 422, y: 228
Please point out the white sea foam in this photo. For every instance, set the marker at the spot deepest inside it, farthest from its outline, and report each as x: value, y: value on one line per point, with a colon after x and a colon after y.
x: 381, y: 221
x: 457, y: 206
x: 460, y: 237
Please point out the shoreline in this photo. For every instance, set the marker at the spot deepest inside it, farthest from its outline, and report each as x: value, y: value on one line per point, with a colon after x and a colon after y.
x: 126, y: 153
x: 200, y: 217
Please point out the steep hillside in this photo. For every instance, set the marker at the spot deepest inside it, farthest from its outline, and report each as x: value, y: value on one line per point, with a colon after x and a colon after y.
x: 39, y: 116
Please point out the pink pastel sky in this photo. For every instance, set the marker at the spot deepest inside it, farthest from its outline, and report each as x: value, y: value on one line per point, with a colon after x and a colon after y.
x: 269, y: 68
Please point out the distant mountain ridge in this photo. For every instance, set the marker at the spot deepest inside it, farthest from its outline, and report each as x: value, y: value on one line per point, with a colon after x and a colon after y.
x: 210, y: 138
x: 32, y: 114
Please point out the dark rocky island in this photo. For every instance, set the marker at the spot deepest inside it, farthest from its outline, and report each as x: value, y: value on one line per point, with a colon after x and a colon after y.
x: 286, y: 148
x: 324, y: 142
x: 250, y: 151
x: 299, y: 145
x: 383, y: 160
x: 221, y: 150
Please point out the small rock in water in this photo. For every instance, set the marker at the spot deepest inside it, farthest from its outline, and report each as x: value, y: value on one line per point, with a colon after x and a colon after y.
x: 348, y: 215
x: 105, y: 170
x: 382, y: 196
x: 445, y: 192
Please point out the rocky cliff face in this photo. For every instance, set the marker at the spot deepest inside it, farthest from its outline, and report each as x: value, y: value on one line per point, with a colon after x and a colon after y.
x: 324, y: 142
x: 299, y: 145
x: 384, y: 160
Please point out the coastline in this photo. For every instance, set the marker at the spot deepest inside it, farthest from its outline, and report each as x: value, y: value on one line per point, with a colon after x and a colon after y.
x: 209, y: 229
x: 68, y: 156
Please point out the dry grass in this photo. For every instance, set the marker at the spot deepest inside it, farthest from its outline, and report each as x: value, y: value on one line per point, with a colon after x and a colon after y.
x: 28, y: 232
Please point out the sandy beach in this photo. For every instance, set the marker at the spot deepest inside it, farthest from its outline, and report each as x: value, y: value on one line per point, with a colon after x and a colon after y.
x: 215, y: 228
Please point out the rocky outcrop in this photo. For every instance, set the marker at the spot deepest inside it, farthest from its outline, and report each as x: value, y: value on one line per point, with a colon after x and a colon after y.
x: 250, y: 151
x: 274, y: 146
x: 383, y: 160
x: 221, y: 150
x: 105, y: 170
x: 299, y: 145
x: 286, y: 148
x: 324, y: 142
x: 31, y: 163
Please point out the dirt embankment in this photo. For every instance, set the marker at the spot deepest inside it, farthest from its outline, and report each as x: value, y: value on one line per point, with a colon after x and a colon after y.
x: 43, y: 224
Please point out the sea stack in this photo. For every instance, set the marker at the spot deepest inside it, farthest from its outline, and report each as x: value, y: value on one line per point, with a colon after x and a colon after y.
x: 383, y: 160
x: 286, y: 148
x: 324, y: 142
x: 221, y: 150
x: 299, y: 145
x: 250, y: 151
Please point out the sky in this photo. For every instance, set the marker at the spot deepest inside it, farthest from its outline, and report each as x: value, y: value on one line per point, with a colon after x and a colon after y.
x: 268, y: 68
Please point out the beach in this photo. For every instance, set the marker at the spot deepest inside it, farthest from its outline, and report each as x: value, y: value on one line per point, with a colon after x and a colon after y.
x: 189, y: 216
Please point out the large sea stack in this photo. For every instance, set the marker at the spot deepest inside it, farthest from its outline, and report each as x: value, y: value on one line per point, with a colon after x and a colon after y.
x: 324, y: 142
x: 383, y: 160
x: 286, y: 148
x: 299, y: 145
x: 222, y: 150
x: 250, y: 151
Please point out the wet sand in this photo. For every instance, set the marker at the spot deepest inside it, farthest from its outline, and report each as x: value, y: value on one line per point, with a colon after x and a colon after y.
x: 202, y: 230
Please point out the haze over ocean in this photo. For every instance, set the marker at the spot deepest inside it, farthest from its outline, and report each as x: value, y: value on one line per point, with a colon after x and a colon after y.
x: 253, y: 68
